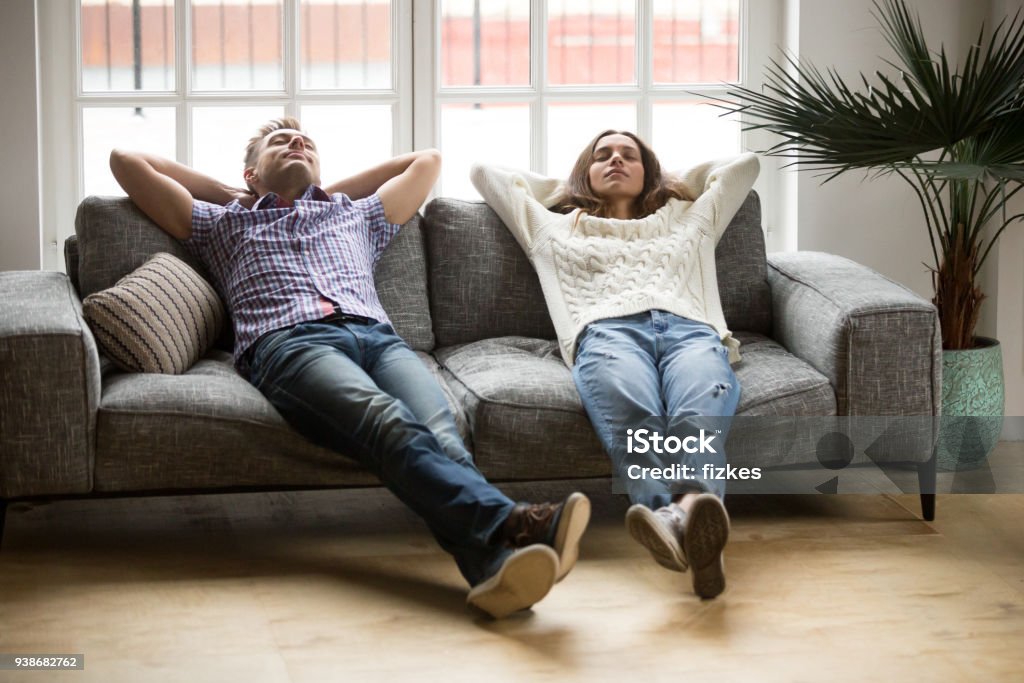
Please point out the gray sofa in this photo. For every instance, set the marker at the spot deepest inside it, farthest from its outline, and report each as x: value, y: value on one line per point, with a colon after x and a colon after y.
x: 819, y: 337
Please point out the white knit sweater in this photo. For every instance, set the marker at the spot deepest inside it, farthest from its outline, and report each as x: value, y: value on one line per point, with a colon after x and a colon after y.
x: 594, y: 268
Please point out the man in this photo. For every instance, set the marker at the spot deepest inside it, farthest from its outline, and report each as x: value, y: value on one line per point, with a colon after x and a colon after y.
x: 295, y: 264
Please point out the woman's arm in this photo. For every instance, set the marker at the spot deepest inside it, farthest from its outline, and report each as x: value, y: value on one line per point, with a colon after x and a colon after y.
x: 724, y: 185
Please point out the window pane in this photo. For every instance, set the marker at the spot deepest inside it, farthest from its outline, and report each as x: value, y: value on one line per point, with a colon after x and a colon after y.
x: 686, y: 134
x: 485, y: 43
x: 219, y: 137
x: 236, y: 45
x: 350, y: 138
x: 126, y: 47
x: 591, y: 42
x: 146, y: 129
x: 571, y: 125
x: 696, y: 41
x: 487, y: 133
x: 346, y: 44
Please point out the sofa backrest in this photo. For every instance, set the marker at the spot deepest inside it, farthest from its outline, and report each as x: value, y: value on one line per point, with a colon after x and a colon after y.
x: 113, y: 238
x: 482, y: 285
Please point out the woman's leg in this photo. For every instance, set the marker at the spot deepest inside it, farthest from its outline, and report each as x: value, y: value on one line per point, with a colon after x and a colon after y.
x: 617, y: 378
x: 701, y: 393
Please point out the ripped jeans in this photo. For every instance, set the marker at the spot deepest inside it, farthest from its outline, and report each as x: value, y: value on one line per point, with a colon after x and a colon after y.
x: 667, y: 374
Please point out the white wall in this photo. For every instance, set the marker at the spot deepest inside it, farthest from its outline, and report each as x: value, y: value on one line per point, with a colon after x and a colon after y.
x: 1004, y: 284
x: 876, y: 222
x: 20, y: 235
x: 879, y: 222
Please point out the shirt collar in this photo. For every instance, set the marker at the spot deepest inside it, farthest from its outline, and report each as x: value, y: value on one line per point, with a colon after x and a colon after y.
x: 271, y: 200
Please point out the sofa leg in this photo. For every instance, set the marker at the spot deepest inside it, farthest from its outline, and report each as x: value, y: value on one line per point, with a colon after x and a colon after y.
x: 926, y: 485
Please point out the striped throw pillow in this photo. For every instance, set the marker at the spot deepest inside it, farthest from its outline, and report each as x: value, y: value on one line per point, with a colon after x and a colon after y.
x: 162, y: 317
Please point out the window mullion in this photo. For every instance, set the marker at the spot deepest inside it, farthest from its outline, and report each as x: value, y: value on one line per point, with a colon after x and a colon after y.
x: 645, y: 60
x: 291, y: 52
x: 182, y: 81
x: 425, y: 74
x: 402, y: 46
x: 539, y: 83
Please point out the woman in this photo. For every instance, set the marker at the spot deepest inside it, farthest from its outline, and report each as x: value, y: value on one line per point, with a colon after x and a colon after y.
x: 625, y: 256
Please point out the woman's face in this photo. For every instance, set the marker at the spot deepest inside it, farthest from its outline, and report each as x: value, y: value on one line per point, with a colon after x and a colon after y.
x: 617, y: 171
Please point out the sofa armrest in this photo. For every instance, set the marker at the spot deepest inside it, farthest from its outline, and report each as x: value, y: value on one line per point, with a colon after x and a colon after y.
x: 49, y: 387
x: 878, y: 343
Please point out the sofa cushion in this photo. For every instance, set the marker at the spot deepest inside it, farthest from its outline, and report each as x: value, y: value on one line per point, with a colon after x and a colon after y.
x: 207, y: 428
x: 522, y: 404
x: 481, y: 283
x: 775, y: 382
x: 401, y: 279
x: 114, y: 238
x: 483, y: 286
x: 742, y: 268
x: 162, y: 317
x: 523, y: 410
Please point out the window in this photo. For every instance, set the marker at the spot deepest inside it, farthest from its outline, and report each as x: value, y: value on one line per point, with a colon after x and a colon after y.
x: 192, y: 80
x: 528, y: 84
x: 524, y: 83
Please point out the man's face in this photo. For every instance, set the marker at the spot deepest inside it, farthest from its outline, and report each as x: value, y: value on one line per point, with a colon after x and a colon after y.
x: 287, y: 158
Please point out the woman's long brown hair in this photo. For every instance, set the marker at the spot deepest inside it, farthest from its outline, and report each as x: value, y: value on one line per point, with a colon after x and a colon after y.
x: 657, y: 189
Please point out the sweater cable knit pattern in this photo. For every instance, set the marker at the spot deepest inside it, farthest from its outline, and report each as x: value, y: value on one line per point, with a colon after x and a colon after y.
x: 595, y: 268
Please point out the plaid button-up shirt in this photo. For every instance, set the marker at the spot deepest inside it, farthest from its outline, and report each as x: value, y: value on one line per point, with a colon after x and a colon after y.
x: 275, y: 266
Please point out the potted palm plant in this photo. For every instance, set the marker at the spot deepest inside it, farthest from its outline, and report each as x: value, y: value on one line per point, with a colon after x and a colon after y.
x: 957, y: 138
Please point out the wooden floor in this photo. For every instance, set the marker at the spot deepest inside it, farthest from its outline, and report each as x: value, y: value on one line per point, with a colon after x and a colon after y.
x: 348, y: 586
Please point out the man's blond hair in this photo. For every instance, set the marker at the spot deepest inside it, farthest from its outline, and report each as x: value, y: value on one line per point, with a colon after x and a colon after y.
x: 252, y: 149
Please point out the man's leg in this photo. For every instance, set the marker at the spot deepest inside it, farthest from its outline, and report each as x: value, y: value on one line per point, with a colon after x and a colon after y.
x: 397, y: 370
x: 314, y: 376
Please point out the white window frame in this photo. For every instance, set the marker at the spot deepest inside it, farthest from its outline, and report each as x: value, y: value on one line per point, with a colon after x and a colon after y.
x: 415, y: 95
x: 754, y: 48
x: 64, y: 100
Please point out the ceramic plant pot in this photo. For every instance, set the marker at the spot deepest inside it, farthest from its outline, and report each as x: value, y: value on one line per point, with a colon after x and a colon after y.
x: 972, y: 404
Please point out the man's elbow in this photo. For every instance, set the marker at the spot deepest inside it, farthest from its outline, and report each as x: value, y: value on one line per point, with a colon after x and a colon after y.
x: 121, y: 162
x: 117, y: 159
x: 431, y: 159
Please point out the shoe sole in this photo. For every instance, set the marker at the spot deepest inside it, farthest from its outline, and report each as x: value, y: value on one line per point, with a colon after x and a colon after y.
x: 523, y: 580
x: 571, y: 525
x: 644, y: 527
x: 705, y: 533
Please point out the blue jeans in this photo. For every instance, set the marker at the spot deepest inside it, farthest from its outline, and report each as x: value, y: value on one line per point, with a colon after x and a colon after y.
x: 359, y: 390
x: 664, y: 373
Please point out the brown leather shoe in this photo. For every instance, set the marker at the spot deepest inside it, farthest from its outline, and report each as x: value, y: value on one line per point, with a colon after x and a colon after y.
x: 558, y: 525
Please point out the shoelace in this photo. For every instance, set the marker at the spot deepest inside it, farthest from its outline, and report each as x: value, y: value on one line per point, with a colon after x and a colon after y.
x: 533, y: 524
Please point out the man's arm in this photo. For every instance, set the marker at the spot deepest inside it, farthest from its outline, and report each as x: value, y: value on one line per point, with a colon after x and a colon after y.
x: 402, y: 183
x: 164, y: 189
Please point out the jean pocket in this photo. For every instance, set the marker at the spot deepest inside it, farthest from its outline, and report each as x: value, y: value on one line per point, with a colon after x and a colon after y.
x: 265, y: 348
